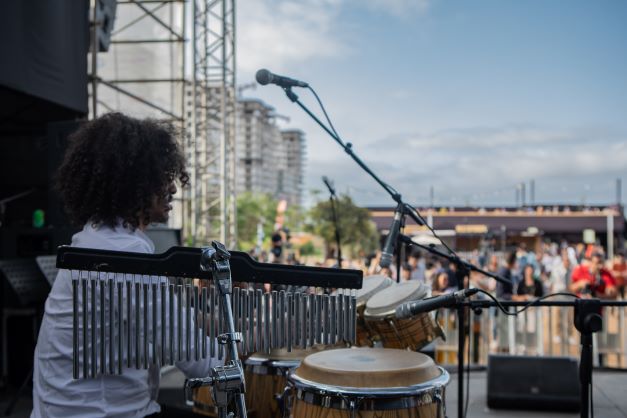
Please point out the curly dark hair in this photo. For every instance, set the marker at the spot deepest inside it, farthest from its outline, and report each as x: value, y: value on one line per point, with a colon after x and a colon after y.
x: 114, y: 168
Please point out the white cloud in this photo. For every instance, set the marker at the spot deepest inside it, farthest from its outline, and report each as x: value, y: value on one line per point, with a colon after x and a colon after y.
x: 483, y: 165
x: 282, y: 33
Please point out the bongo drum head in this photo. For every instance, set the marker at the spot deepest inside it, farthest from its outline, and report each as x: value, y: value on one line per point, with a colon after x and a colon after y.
x: 385, y: 302
x: 368, y: 368
x: 371, y: 285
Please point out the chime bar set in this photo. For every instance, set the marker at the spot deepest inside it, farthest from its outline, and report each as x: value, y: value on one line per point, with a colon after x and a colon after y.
x: 131, y: 309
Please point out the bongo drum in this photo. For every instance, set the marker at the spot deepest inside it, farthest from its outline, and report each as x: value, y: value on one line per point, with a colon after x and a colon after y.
x: 371, y: 285
x: 266, y: 377
x: 413, y: 333
x: 367, y: 383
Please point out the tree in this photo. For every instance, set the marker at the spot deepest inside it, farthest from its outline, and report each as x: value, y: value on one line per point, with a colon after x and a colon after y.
x: 254, y: 209
x: 261, y: 208
x: 357, y: 231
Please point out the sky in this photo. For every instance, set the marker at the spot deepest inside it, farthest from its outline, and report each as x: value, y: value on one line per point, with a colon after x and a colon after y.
x: 469, y: 97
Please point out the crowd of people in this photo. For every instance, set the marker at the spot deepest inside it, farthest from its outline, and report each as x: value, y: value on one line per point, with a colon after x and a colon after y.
x: 551, y: 268
x: 583, y: 269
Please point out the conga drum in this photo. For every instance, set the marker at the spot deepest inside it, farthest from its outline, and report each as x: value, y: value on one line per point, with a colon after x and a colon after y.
x: 266, y: 377
x: 371, y: 286
x: 413, y: 333
x: 367, y: 383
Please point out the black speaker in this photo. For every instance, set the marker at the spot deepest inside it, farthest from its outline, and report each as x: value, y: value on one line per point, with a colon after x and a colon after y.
x: 533, y: 383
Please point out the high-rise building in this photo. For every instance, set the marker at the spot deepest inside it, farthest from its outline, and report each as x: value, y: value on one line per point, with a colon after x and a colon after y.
x: 269, y: 161
x: 294, y: 170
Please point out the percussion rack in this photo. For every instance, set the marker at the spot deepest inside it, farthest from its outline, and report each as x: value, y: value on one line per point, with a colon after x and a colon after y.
x: 132, y: 299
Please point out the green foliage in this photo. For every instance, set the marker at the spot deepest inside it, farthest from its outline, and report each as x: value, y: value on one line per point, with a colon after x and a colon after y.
x: 357, y: 231
x: 253, y: 208
x: 307, y: 248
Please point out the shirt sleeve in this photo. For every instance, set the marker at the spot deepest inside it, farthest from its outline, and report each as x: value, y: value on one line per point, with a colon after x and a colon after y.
x: 577, y: 274
x: 608, y: 278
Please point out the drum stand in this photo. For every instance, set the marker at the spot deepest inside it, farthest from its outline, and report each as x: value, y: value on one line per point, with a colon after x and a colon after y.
x: 227, y: 381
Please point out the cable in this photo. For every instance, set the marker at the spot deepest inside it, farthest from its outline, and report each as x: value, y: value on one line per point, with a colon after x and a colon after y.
x: 324, y: 111
x: 528, y: 305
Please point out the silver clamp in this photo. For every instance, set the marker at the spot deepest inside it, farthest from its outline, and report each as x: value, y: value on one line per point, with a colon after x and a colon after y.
x: 227, y: 338
x: 225, y: 381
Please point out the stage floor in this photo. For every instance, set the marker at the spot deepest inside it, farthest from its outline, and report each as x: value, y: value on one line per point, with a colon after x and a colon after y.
x: 610, y: 400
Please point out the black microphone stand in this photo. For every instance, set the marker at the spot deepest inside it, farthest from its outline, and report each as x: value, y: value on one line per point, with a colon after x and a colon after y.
x: 587, y: 320
x: 348, y: 148
x: 462, y: 266
x: 463, y: 269
x: 333, y: 199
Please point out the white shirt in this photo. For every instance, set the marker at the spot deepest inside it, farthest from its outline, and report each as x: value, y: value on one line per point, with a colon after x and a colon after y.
x: 55, y: 392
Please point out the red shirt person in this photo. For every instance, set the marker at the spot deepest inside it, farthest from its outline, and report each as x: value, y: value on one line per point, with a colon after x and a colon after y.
x: 592, y: 279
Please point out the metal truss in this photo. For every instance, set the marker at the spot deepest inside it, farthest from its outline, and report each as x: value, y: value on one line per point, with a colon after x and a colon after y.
x: 143, y: 73
x: 146, y: 73
x: 213, y: 119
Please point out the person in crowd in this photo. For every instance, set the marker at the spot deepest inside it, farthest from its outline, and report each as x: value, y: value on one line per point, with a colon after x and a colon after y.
x: 373, y: 268
x: 530, y: 287
x: 441, y: 284
x: 580, y: 252
x: 406, y: 272
x: 591, y: 279
x: 431, y: 268
x: 418, y: 267
x: 492, y: 265
x: 451, y: 270
x: 561, y: 274
x: 277, y: 247
x: 504, y: 291
x: 117, y: 177
x: 387, y: 272
x: 618, y: 268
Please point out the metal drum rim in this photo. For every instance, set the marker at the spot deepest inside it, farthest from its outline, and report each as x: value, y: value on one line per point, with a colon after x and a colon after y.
x: 271, y: 367
x: 381, y: 392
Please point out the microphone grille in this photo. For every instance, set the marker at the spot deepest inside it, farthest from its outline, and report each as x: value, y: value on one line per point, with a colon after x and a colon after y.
x: 263, y: 76
x: 386, y: 260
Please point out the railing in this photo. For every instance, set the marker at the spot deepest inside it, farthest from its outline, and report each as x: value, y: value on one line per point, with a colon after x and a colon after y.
x: 541, y: 331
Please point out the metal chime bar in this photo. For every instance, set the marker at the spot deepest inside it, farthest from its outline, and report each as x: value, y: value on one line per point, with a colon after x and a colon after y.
x: 132, y: 321
x: 133, y: 310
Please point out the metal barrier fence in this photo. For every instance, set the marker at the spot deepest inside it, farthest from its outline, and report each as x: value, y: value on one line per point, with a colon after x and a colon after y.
x: 541, y: 331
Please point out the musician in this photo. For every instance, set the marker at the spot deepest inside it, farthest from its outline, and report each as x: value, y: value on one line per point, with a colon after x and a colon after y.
x: 117, y: 177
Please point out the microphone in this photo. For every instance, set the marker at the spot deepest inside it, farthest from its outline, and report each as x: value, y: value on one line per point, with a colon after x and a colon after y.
x: 329, y: 185
x: 264, y: 77
x: 390, y: 242
x: 409, y: 309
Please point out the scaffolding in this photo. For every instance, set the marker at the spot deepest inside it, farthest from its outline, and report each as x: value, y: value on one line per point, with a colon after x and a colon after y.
x: 213, y: 95
x: 147, y: 73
